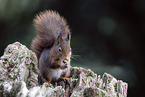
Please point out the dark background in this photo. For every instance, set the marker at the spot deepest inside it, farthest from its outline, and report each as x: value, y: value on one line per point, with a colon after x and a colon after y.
x: 107, y: 35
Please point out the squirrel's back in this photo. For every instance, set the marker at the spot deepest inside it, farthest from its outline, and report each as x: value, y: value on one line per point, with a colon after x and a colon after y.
x: 48, y: 25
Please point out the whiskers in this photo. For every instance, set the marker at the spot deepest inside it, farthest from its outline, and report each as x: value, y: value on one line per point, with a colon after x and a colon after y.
x: 75, y: 57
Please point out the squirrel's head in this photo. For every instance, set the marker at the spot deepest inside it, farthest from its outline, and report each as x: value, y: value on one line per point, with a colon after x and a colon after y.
x: 61, y: 51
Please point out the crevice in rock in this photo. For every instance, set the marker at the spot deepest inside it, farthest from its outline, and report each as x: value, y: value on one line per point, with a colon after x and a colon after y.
x: 24, y: 83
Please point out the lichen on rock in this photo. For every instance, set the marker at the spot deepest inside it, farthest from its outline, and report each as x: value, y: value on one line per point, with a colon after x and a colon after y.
x: 19, y: 64
x: 19, y: 78
x: 90, y: 85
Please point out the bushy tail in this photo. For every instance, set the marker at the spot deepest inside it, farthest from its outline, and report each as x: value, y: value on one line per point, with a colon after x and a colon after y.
x: 49, y: 25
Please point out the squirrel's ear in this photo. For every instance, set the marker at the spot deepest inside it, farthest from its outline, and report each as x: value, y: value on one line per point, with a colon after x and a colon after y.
x: 68, y: 37
x: 57, y: 40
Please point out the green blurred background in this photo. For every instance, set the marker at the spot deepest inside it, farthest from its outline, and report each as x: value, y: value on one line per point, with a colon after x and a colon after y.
x: 107, y: 35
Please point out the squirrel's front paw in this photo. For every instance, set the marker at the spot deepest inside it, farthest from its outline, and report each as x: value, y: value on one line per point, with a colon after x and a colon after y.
x: 63, y: 66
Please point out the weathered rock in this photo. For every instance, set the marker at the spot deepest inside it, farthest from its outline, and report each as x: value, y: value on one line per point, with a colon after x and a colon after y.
x: 19, y: 73
x: 90, y: 85
x: 19, y: 64
x: 13, y: 89
x: 46, y: 91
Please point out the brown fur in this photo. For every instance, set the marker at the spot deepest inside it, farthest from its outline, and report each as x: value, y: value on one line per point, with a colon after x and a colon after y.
x: 52, y: 45
x: 48, y: 24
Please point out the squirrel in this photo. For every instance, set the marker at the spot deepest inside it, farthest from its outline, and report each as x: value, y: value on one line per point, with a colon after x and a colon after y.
x: 52, y: 46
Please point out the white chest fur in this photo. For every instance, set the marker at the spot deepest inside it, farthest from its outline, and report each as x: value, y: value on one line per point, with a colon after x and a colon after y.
x: 56, y: 73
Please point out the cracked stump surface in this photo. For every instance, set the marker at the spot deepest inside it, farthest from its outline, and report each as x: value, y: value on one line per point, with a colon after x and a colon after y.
x: 19, y: 73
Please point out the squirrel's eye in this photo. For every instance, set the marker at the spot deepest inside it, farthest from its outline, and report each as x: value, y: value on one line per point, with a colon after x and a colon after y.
x: 59, y: 49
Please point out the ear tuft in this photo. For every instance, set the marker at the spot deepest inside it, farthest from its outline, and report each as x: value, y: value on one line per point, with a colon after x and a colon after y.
x: 68, y: 35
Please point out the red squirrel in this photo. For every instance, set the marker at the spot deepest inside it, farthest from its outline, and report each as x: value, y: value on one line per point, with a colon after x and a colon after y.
x: 52, y: 46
